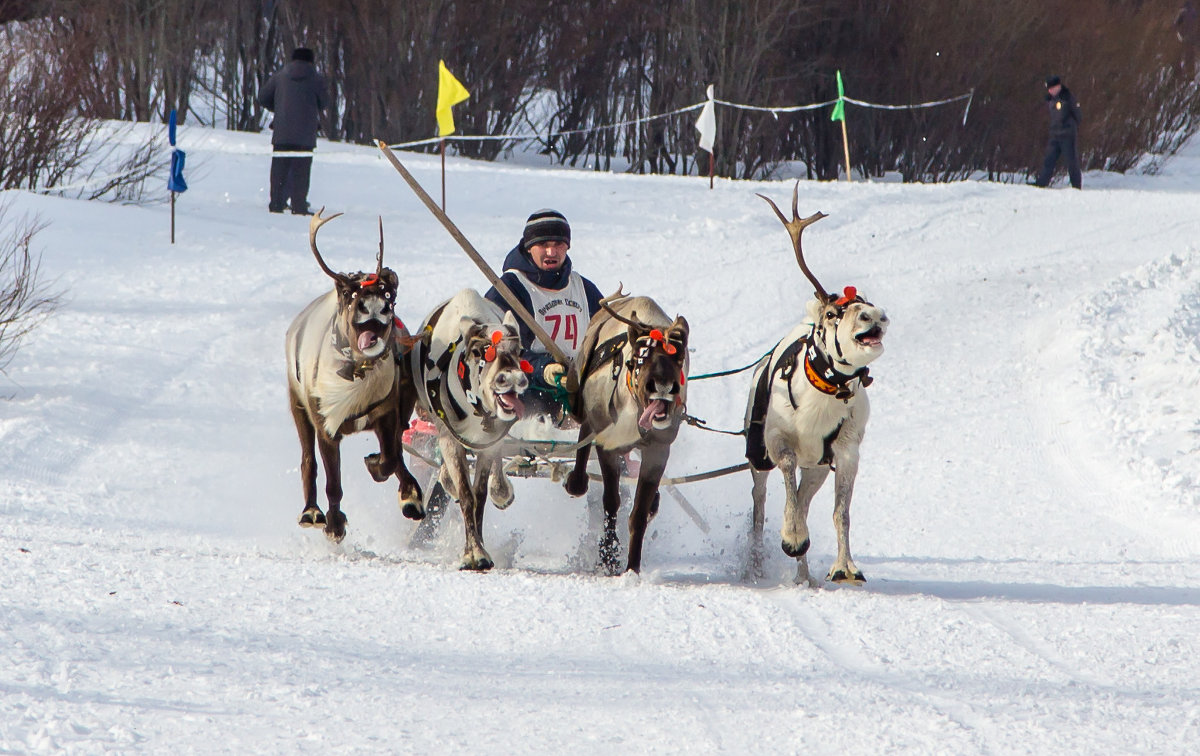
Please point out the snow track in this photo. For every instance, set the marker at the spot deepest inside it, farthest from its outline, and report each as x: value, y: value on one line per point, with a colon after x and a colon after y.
x: 1026, y: 511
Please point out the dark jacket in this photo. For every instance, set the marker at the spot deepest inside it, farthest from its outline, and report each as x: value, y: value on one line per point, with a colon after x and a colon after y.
x: 1064, y: 113
x: 296, y: 94
x: 554, y: 280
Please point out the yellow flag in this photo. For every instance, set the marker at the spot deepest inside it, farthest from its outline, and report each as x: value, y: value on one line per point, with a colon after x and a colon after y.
x: 450, y: 92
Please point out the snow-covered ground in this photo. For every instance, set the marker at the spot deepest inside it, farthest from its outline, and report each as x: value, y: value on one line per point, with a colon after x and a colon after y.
x: 1027, y: 513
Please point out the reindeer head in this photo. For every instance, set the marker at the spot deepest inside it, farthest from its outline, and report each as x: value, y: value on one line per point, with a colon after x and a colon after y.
x: 365, y: 319
x: 497, y: 374
x: 656, y: 372
x: 849, y: 328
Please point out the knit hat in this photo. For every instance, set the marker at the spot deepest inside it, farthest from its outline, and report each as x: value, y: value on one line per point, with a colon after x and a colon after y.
x: 303, y: 53
x: 1052, y: 81
x: 546, y: 225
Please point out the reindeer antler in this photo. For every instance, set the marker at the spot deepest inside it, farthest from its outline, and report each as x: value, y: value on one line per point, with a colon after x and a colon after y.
x: 314, y: 225
x: 379, y: 263
x: 620, y: 294
x: 795, y: 228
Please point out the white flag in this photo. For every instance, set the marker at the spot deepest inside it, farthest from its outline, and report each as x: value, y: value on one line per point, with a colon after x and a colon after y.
x: 707, y: 123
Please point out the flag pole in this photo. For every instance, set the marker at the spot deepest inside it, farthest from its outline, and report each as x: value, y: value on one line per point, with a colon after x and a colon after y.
x: 172, y: 217
x: 839, y: 114
x: 846, y: 148
x: 442, y: 143
x: 711, y: 162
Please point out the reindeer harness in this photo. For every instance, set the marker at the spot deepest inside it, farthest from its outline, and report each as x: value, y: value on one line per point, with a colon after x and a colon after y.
x: 445, y: 388
x: 818, y: 370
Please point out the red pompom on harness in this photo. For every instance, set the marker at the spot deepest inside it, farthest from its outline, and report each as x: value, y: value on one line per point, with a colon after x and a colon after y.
x: 849, y: 294
x: 657, y: 337
x: 489, y: 354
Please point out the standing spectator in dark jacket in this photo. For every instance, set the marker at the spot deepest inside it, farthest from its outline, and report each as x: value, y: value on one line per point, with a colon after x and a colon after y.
x: 296, y: 94
x: 1064, y: 130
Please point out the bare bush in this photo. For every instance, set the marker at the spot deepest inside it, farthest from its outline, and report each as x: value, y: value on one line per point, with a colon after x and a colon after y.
x: 45, y: 145
x: 24, y: 299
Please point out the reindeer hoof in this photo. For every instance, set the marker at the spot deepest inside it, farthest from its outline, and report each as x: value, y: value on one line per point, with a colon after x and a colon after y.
x: 476, y: 564
x: 576, y: 485
x: 794, y: 551
x: 311, y: 518
x: 335, y: 528
x: 413, y: 510
x: 841, y: 576
x: 379, y: 468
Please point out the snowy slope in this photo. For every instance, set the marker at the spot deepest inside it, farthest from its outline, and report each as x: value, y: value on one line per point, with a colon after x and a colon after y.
x: 1026, y: 514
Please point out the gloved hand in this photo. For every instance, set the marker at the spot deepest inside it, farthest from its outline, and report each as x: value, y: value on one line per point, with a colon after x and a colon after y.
x: 553, y: 373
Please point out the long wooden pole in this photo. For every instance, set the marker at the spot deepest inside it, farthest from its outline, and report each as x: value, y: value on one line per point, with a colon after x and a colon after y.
x: 571, y: 382
x: 172, y: 217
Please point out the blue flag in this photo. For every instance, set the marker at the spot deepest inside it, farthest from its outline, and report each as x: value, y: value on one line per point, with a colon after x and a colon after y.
x: 175, y: 182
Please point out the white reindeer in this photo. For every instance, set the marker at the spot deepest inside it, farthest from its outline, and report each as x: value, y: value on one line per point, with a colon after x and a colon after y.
x: 343, y: 378
x: 808, y: 408
x: 469, y: 376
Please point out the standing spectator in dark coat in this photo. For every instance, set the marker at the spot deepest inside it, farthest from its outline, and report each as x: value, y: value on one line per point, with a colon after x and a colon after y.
x: 296, y: 94
x: 1064, y: 130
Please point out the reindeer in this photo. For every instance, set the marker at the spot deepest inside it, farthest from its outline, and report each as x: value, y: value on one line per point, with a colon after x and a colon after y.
x: 343, y: 378
x: 632, y: 393
x: 808, y: 408
x: 469, y: 374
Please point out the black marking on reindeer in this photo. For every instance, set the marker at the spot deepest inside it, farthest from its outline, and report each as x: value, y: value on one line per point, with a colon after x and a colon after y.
x: 827, y: 453
x: 756, y: 445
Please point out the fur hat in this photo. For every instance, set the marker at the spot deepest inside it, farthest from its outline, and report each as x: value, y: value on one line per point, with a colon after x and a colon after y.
x: 546, y: 225
x: 303, y: 53
x: 1052, y: 81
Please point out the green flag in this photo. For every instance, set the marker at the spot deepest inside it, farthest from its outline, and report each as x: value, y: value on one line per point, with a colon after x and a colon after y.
x: 839, y: 108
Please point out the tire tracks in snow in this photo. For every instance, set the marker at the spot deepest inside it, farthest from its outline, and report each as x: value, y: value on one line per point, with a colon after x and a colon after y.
x: 814, y: 624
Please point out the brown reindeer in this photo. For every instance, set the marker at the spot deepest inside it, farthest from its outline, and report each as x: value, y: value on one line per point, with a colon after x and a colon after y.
x: 632, y: 372
x: 343, y: 378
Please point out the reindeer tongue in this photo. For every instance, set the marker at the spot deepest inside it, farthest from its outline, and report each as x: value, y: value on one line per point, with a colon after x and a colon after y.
x: 654, y: 408
x: 366, y: 340
x: 512, y: 402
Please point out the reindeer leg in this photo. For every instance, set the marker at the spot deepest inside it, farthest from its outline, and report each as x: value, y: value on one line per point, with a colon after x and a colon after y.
x: 483, y: 468
x: 645, y: 499
x: 844, y: 570
x: 610, y: 545
x: 500, y: 490
x: 331, y: 458
x: 459, y: 474
x: 311, y: 515
x: 758, y: 493
x: 576, y: 483
x: 409, y: 494
x: 382, y: 464
x: 811, y: 479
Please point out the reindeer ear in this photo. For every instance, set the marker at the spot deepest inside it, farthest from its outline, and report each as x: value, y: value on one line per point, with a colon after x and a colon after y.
x: 814, y: 309
x: 469, y: 328
x: 510, y: 320
x: 390, y: 278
